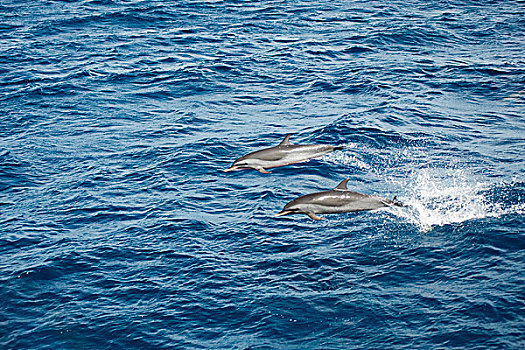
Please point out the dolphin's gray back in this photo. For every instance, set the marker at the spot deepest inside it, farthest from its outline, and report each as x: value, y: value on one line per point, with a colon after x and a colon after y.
x: 288, y: 154
x: 268, y: 154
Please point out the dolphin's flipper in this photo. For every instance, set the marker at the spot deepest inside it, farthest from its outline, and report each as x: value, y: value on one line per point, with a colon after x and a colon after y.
x: 313, y: 216
x: 262, y: 170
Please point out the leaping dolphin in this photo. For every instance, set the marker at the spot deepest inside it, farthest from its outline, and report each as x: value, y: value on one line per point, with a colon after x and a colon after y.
x: 284, y: 154
x: 338, y: 200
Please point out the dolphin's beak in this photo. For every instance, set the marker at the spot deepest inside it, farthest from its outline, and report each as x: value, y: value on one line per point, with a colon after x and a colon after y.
x: 284, y: 212
x: 232, y: 168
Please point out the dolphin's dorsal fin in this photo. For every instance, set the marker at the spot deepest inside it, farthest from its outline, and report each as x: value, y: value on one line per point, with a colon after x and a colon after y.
x: 342, y: 185
x: 286, y: 140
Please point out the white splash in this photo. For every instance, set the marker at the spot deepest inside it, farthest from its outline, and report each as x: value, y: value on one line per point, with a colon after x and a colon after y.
x: 437, y: 197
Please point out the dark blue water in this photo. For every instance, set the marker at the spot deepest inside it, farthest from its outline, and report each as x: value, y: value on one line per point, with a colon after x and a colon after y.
x: 119, y: 230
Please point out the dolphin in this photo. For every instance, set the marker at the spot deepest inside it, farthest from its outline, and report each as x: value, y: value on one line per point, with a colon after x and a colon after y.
x: 284, y: 154
x: 338, y: 200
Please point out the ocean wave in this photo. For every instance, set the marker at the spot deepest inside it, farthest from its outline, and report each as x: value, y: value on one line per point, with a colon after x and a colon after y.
x: 119, y: 228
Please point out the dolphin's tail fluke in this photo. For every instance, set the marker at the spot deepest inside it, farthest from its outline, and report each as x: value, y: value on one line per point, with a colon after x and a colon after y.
x: 398, y: 203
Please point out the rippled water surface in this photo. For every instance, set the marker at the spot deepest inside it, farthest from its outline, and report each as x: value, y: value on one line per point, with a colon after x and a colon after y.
x: 119, y: 229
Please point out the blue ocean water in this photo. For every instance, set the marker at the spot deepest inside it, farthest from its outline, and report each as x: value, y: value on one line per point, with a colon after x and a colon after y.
x: 119, y: 230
